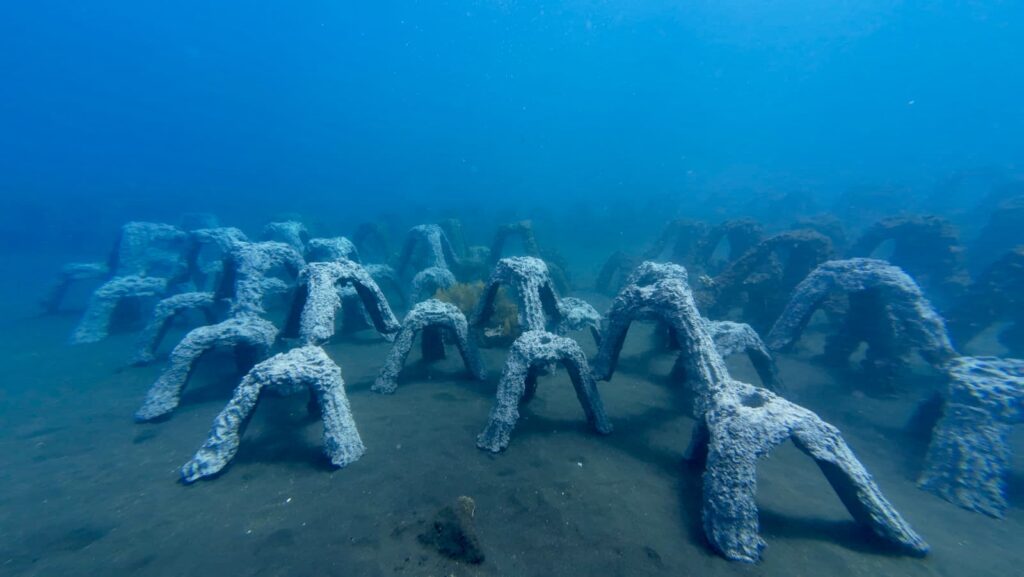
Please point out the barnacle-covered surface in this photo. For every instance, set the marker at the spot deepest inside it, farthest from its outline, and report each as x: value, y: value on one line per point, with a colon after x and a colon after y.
x: 165, y: 312
x: 331, y: 249
x: 435, y: 322
x: 969, y: 456
x: 251, y: 338
x: 428, y: 281
x: 95, y: 323
x: 254, y: 270
x: 532, y: 287
x: 530, y: 354
x: 306, y: 368
x: 892, y: 313
x: 318, y: 300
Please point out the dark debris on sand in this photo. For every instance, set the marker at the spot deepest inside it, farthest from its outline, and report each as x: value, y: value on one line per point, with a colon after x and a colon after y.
x: 452, y: 533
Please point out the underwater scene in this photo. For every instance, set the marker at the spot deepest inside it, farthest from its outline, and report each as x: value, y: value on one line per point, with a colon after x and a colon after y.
x: 512, y: 288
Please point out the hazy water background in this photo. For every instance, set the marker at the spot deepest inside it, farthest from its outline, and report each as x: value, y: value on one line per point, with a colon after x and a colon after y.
x: 116, y: 110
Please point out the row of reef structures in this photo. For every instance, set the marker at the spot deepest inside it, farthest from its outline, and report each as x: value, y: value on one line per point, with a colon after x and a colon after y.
x: 744, y: 272
x: 277, y: 299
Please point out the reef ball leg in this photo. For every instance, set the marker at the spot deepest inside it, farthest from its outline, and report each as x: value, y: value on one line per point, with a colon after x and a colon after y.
x: 164, y: 314
x: 766, y: 369
x: 342, y: 443
x: 165, y: 394
x: 586, y: 391
x: 149, y: 340
x: 387, y: 378
x: 744, y: 431
x: 505, y: 413
x: 51, y: 304
x: 222, y: 444
x: 968, y: 459
x: 855, y: 486
x: 95, y: 323
x: 611, y: 346
x: 730, y: 504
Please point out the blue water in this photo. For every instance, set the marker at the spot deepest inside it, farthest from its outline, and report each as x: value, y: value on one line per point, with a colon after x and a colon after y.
x: 600, y: 122
x: 133, y: 110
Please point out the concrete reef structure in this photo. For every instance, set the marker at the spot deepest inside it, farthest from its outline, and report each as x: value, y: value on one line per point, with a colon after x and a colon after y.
x: 740, y: 234
x: 305, y: 368
x: 1001, y: 234
x: 71, y: 274
x: 732, y: 338
x: 996, y: 297
x: 828, y: 225
x: 538, y: 306
x: 761, y: 279
x: 387, y: 279
x: 474, y: 260
x: 533, y: 290
x: 150, y: 249
x: 738, y: 423
x: 373, y: 241
x: 452, y: 228
x: 428, y: 281
x: 522, y: 229
x: 678, y: 242
x: 148, y: 260
x: 435, y: 322
x: 652, y: 293
x: 249, y: 274
x: 223, y: 238
x: 164, y: 314
x: 887, y: 311
x: 209, y: 251
x: 615, y: 271
x: 426, y: 246
x: 291, y: 233
x: 926, y: 247
x: 578, y: 315
x: 250, y: 336
x: 530, y: 354
x: 142, y: 249
x: 969, y: 456
x: 331, y: 249
x: 95, y: 323
x: 317, y: 301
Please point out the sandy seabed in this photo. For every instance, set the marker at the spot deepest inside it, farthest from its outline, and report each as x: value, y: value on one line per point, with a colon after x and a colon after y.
x: 88, y: 492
